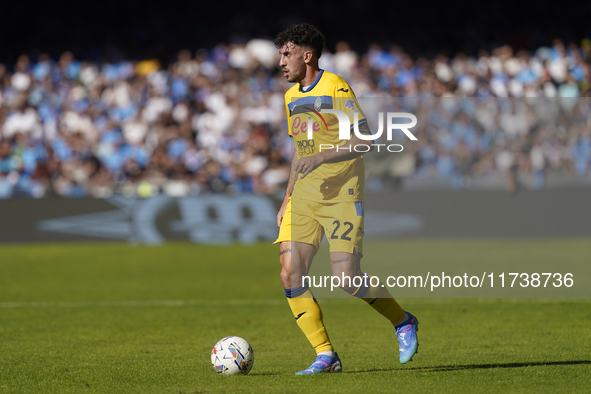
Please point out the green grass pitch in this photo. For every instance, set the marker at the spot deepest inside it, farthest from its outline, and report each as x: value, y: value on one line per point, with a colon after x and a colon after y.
x: 117, y: 318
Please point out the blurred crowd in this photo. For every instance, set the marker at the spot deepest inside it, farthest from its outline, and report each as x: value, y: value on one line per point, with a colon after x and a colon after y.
x: 214, y: 121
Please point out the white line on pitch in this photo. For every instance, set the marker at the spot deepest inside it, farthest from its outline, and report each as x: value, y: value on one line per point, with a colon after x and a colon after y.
x: 147, y: 303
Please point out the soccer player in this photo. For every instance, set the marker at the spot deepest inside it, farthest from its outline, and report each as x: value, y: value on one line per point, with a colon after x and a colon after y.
x: 325, y: 195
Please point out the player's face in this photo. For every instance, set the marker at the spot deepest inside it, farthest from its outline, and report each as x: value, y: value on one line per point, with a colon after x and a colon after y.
x: 292, y: 62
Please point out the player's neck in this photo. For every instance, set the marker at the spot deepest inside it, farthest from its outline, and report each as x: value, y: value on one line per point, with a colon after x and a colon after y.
x: 311, y: 75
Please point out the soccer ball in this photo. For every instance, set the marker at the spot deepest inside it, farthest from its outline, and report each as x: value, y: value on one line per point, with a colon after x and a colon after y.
x: 231, y: 356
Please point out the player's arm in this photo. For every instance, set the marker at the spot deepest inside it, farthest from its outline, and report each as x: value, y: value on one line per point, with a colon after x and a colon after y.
x: 290, y: 184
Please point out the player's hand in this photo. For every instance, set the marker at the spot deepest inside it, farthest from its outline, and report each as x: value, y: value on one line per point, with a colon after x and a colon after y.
x: 281, y: 213
x: 306, y: 165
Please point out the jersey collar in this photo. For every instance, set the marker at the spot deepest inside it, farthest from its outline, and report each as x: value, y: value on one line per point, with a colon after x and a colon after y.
x: 314, y: 83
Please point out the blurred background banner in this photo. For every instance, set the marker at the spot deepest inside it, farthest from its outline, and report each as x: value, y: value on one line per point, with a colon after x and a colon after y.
x: 204, y: 219
x: 219, y: 219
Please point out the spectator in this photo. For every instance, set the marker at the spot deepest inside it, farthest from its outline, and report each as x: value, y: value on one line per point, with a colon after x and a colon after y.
x: 215, y: 122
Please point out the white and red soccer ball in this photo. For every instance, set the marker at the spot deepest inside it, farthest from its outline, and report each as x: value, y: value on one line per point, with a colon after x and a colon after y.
x: 231, y: 356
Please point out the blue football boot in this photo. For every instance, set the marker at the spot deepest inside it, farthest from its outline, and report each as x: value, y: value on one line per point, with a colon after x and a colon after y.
x: 407, y: 338
x: 323, y: 364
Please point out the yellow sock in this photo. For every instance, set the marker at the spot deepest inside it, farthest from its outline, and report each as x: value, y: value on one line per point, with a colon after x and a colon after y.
x: 309, y: 318
x: 380, y: 299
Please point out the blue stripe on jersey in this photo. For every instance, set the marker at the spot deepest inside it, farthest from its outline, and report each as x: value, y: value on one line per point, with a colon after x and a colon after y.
x: 309, y: 100
x: 359, y: 208
x: 313, y: 83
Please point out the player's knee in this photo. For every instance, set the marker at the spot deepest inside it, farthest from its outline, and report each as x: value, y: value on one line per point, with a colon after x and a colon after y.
x: 285, y: 275
x: 285, y: 260
x: 348, y: 278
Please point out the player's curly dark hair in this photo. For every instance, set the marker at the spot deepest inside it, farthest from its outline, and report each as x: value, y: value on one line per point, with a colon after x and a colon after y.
x: 304, y: 35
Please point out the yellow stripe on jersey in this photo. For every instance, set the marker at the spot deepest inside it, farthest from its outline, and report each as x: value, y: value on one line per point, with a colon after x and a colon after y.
x: 331, y: 182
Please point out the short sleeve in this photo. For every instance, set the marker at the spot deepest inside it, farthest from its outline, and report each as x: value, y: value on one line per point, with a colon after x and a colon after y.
x: 345, y: 101
x: 288, y: 119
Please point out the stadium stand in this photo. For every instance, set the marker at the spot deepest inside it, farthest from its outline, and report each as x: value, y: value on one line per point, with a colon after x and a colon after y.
x: 214, y: 121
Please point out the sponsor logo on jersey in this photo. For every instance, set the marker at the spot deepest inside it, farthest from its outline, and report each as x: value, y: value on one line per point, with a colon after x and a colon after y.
x: 306, y: 147
x: 301, y: 126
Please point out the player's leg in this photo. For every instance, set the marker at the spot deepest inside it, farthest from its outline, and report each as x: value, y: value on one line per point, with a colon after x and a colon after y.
x: 296, y: 258
x: 347, y: 267
x: 345, y: 221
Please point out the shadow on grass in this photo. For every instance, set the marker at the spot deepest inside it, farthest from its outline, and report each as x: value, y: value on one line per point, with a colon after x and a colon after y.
x: 444, y: 368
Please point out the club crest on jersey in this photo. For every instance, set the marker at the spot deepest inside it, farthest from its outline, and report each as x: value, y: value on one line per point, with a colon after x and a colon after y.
x: 318, y: 104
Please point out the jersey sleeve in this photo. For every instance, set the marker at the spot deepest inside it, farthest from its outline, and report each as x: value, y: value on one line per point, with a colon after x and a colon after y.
x: 288, y: 118
x: 345, y: 101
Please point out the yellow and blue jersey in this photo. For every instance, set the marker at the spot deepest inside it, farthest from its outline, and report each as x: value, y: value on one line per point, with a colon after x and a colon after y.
x: 330, y: 182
